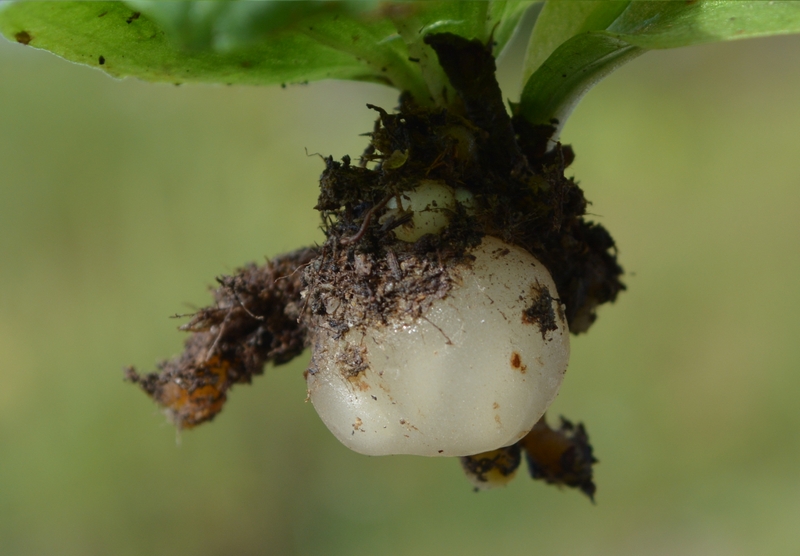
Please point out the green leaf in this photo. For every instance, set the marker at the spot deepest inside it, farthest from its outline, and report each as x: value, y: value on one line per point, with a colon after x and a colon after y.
x: 230, y: 24
x: 592, y: 47
x: 462, y: 18
x: 494, y: 20
x: 673, y: 24
x: 561, y: 20
x: 260, y: 43
x: 223, y: 25
x: 132, y: 44
x: 566, y: 76
x: 502, y: 21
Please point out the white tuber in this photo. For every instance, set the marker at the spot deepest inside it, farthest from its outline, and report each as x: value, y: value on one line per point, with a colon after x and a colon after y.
x: 474, y: 373
x: 430, y: 204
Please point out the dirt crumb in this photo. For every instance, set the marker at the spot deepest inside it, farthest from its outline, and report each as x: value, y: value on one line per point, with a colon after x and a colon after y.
x: 253, y: 321
x: 23, y: 37
x: 560, y: 456
x: 541, y: 312
x: 485, y: 467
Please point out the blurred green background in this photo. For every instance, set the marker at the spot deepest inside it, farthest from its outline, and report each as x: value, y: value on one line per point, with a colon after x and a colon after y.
x: 120, y: 201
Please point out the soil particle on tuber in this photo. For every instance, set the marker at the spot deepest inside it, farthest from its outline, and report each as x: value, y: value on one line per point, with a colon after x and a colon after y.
x: 541, y: 312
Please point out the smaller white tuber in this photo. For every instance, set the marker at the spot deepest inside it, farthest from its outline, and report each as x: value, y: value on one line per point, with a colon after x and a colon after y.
x: 430, y: 205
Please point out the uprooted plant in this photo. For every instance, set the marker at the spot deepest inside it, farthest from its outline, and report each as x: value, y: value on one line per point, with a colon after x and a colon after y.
x: 457, y: 258
x: 438, y: 308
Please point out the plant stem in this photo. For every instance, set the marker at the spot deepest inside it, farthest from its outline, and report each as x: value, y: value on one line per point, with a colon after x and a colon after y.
x: 439, y: 91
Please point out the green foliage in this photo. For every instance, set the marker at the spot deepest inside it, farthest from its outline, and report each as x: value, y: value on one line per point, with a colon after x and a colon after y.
x: 157, y: 48
x: 576, y: 44
x: 559, y: 21
x: 573, y: 45
x: 225, y: 26
x: 258, y: 43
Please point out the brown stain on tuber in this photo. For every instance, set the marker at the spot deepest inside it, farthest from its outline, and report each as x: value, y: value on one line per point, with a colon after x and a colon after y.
x: 516, y: 363
x: 361, y: 385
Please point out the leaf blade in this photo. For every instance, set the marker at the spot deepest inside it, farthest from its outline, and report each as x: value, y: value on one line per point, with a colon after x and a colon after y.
x: 83, y: 31
x: 230, y: 24
x: 561, y: 20
x: 258, y: 43
x: 556, y: 86
x: 658, y: 25
x: 503, y: 19
x: 567, y: 75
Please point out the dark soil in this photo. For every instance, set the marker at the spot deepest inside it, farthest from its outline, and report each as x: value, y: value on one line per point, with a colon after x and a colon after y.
x: 560, y: 456
x: 503, y: 462
x: 541, y: 311
x: 254, y: 320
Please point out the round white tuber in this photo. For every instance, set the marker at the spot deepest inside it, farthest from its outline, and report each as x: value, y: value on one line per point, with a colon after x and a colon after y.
x: 472, y: 374
x: 430, y: 205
